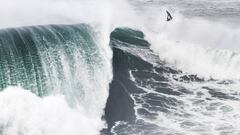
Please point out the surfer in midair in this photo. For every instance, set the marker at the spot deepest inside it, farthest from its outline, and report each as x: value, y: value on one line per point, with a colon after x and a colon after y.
x: 169, y: 16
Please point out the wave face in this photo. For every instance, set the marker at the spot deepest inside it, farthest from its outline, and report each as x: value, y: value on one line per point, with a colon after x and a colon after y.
x: 150, y: 97
x: 61, y: 66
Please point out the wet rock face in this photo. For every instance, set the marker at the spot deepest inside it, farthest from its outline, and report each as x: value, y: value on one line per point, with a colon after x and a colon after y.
x: 141, y: 87
x: 120, y: 105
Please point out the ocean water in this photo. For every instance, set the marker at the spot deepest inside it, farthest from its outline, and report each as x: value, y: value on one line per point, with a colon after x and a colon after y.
x: 117, y: 67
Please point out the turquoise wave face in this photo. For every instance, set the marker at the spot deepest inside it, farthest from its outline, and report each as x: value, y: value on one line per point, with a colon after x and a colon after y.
x: 54, y: 79
x: 51, y: 59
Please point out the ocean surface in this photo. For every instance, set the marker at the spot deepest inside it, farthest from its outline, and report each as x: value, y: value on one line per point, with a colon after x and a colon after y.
x: 117, y: 67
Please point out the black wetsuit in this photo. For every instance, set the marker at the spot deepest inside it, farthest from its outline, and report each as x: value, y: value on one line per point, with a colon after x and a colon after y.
x: 169, y: 17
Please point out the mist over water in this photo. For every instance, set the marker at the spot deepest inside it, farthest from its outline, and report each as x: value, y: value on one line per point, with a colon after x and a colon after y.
x: 215, y: 9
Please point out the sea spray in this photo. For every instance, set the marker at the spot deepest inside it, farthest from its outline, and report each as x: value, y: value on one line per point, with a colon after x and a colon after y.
x: 22, y: 112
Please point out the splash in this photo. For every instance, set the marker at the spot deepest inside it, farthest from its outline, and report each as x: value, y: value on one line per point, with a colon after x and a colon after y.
x: 22, y: 112
x: 198, y: 46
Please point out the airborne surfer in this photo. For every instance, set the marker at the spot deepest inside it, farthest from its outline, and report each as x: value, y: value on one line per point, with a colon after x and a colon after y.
x: 169, y: 16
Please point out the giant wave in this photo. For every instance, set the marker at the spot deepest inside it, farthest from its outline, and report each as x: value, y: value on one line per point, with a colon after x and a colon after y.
x: 61, y: 66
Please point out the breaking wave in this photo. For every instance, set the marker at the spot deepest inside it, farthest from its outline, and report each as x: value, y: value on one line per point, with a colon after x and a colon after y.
x: 61, y: 67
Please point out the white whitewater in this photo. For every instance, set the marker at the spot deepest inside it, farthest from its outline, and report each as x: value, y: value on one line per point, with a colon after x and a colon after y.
x: 198, y: 46
x: 22, y: 112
